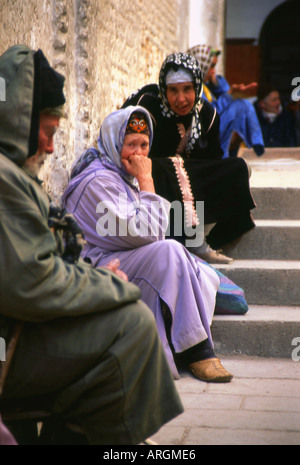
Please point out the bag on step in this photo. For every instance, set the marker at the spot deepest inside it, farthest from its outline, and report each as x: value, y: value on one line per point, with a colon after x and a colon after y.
x: 230, y: 298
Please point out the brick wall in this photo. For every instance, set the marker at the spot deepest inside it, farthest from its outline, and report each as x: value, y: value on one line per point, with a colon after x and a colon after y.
x: 105, y: 48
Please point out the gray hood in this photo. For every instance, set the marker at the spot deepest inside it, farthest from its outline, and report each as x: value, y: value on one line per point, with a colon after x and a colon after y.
x: 17, y: 69
x: 32, y: 86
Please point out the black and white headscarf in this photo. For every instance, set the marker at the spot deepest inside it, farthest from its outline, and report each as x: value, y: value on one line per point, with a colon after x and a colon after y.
x: 188, y: 62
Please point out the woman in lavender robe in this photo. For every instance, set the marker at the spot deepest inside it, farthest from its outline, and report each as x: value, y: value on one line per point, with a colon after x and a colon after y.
x: 112, y: 196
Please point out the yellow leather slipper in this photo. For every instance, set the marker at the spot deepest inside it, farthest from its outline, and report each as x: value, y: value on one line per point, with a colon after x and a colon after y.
x: 210, y: 370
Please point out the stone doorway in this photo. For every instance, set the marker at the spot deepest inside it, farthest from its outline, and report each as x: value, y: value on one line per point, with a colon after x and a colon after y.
x: 280, y: 47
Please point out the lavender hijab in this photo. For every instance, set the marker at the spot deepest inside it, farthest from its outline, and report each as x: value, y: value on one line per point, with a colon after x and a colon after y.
x: 110, y: 143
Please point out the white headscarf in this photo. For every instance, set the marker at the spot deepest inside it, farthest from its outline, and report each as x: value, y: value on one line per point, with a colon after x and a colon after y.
x: 179, y: 76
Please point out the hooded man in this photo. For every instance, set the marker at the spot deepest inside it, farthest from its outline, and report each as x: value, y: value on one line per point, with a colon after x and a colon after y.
x: 88, y: 346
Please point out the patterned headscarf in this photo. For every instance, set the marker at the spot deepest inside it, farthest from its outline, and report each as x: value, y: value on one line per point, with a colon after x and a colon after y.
x: 137, y: 124
x: 188, y: 62
x: 204, y: 55
x: 110, y: 143
x: 176, y: 61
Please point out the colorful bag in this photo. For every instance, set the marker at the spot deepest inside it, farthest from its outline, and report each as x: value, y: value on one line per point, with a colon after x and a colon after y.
x: 230, y: 298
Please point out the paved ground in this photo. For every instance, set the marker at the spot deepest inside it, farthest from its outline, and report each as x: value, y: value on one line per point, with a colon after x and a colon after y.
x: 261, y: 406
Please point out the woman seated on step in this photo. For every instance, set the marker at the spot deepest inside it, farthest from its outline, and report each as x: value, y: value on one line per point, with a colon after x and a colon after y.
x: 112, y: 196
x: 187, y: 164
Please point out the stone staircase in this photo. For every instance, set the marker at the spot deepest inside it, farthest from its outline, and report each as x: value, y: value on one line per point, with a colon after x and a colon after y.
x: 267, y: 262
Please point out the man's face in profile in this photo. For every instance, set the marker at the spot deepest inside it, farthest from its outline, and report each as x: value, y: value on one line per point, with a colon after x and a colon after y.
x: 48, y: 126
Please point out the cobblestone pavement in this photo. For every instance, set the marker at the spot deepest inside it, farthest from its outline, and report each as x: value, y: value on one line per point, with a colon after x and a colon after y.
x: 261, y: 406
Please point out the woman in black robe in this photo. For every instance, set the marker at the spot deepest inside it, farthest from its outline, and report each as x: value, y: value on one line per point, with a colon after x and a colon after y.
x: 187, y: 157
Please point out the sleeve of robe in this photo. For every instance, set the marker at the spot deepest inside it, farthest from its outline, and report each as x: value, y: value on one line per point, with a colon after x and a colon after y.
x: 220, y: 88
x: 221, y: 103
x: 35, y: 283
x: 114, y: 218
x: 221, y: 99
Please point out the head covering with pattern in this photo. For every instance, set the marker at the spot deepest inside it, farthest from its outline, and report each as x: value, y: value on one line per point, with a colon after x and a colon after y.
x: 204, y: 55
x: 176, y: 61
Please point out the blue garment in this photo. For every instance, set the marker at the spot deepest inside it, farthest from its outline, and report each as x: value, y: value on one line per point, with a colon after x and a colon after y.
x: 280, y: 132
x: 235, y: 116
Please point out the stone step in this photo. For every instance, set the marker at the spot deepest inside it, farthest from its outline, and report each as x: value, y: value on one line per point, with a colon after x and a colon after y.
x: 276, y: 168
x: 276, y: 203
x: 269, y: 240
x: 277, y: 173
x: 264, y: 331
x: 267, y: 262
x: 271, y: 154
x: 266, y: 282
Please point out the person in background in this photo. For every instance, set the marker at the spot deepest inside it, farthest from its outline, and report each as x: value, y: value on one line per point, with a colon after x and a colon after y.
x: 238, y: 120
x: 277, y: 123
x: 179, y: 289
x: 89, y: 347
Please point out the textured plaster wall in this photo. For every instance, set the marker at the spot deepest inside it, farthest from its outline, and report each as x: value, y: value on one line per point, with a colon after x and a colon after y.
x: 105, y: 48
x: 207, y: 25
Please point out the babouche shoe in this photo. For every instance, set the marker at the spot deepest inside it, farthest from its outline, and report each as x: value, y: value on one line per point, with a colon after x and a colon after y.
x: 210, y: 370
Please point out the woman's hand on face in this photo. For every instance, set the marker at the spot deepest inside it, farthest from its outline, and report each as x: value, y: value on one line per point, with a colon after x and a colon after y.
x: 138, y: 166
x: 134, y: 157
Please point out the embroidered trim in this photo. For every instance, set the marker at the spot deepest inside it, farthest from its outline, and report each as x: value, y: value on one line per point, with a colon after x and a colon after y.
x: 184, y: 136
x: 213, y: 119
x: 191, y: 218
